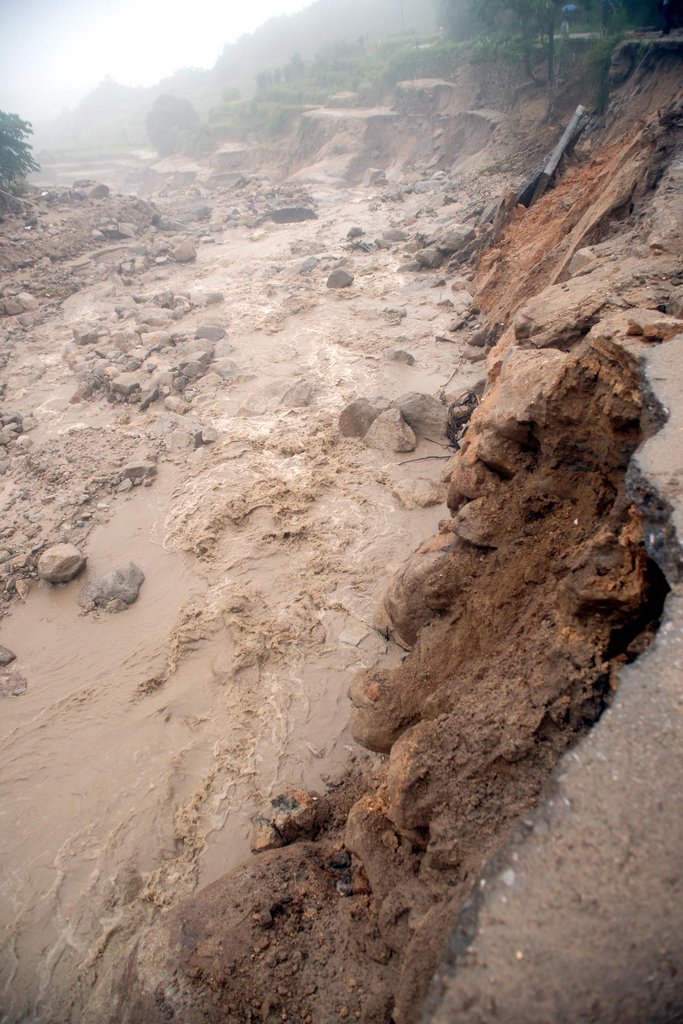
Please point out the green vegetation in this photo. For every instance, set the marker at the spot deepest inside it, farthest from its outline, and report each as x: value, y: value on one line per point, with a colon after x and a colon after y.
x: 16, y: 160
x: 173, y: 127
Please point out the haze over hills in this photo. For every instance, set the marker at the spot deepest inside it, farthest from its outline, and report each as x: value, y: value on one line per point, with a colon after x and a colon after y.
x: 112, y: 114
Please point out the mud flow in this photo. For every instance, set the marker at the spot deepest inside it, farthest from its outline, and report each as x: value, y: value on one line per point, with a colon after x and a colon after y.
x: 143, y: 744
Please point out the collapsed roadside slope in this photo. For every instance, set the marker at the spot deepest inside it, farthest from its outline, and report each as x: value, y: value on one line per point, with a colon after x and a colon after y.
x: 547, y: 579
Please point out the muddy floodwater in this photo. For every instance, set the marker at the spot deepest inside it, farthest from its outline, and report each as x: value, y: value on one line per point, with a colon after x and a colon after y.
x: 145, y: 742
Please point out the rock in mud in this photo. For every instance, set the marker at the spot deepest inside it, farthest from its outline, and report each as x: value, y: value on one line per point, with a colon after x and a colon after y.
x: 125, y: 385
x: 210, y: 332
x: 357, y: 418
x: 298, y: 396
x: 424, y: 413
x: 340, y: 278
x: 293, y: 215
x: 295, y: 815
x: 6, y: 656
x: 454, y: 239
x: 390, y: 432
x: 430, y: 258
x: 399, y: 355
x: 226, y: 369
x: 419, y: 493
x: 395, y: 235
x: 138, y: 471
x: 114, y: 591
x: 60, y: 563
x: 309, y: 264
x: 185, y: 252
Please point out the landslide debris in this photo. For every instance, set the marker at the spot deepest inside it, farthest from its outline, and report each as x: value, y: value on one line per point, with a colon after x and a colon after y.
x: 520, y: 613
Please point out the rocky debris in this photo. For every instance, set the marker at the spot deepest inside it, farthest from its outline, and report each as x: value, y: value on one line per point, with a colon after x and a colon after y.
x: 60, y: 563
x: 210, y: 332
x: 296, y: 815
x: 430, y: 258
x: 6, y: 656
x: 420, y: 492
x: 139, y: 471
x: 357, y: 417
x: 114, y: 591
x: 390, y: 432
x: 424, y: 413
x: 184, y: 252
x: 454, y: 239
x: 340, y: 278
x: 399, y: 355
x: 292, y: 215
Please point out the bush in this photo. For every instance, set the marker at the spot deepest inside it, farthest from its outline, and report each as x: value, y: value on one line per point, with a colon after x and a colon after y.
x: 15, y: 152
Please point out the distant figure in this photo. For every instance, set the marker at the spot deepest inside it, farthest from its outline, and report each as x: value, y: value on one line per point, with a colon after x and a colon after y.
x: 608, y: 8
x: 665, y: 8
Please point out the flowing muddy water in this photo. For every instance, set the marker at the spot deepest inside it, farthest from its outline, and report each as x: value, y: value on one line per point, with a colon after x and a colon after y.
x: 145, y: 743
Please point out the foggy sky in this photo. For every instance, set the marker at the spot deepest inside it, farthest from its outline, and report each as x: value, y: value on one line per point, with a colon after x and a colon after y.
x: 52, y: 52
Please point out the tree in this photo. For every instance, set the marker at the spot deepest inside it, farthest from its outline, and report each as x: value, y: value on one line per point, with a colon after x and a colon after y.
x: 15, y: 152
x: 171, y: 124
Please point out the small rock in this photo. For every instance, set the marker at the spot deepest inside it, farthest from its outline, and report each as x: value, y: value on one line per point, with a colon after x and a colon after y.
x: 185, y: 252
x: 309, y: 264
x: 98, y: 192
x: 430, y: 258
x: 126, y: 384
x: 293, y: 215
x: 113, y: 591
x: 399, y: 355
x: 395, y: 235
x: 138, y: 471
x: 340, y: 278
x: 298, y: 396
x: 390, y: 431
x: 6, y: 656
x: 455, y: 239
x: 12, y: 685
x: 357, y: 418
x: 419, y: 493
x: 60, y: 563
x: 354, y: 232
x: 210, y: 332
x: 227, y: 369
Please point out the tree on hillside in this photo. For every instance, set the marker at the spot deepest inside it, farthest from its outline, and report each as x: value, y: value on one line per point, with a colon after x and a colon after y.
x: 171, y: 124
x: 15, y: 152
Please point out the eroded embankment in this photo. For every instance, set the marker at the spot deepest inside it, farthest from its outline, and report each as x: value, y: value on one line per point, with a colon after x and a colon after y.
x: 521, y: 611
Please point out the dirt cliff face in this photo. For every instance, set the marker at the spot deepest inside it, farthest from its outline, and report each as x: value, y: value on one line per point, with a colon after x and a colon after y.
x: 518, y: 615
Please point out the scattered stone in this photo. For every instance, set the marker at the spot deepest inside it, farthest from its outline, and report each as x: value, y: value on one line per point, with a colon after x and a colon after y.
x: 100, y: 191
x: 395, y: 235
x: 185, y: 252
x: 354, y: 232
x: 309, y: 264
x: 340, y: 278
x: 136, y: 472
x: 210, y: 332
x: 419, y: 493
x: 390, y: 432
x: 425, y: 414
x: 6, y: 656
x: 60, y: 563
x: 126, y: 384
x: 226, y: 369
x: 455, y: 239
x: 399, y: 355
x: 293, y: 215
x: 430, y: 258
x: 298, y: 395
x: 357, y: 418
x: 209, y: 435
x: 113, y: 591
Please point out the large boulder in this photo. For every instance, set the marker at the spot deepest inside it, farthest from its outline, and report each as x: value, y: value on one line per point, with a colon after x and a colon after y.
x: 60, y: 563
x: 454, y: 239
x: 357, y: 417
x: 424, y: 413
x: 390, y: 432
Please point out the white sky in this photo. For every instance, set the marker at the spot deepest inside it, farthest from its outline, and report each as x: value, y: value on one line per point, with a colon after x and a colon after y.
x: 52, y: 52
